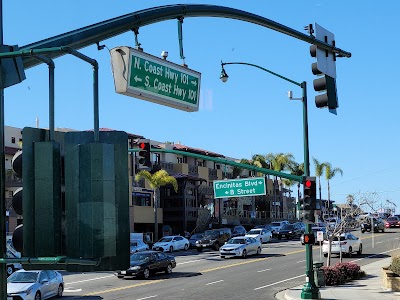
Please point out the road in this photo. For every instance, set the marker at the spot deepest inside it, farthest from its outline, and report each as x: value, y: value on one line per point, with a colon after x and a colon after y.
x: 206, y: 276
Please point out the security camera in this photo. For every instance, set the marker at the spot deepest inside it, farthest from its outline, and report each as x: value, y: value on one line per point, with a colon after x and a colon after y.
x: 290, y: 94
x: 164, y: 54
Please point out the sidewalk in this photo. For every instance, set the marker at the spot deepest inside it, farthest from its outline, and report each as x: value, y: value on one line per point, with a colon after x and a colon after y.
x: 369, y: 287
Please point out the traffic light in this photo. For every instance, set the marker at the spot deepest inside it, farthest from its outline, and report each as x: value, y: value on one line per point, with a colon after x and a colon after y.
x: 309, y: 199
x: 309, y: 238
x: 17, y: 237
x: 144, y: 155
x: 325, y: 68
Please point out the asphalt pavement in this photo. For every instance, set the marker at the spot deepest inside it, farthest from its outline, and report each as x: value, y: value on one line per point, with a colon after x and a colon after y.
x: 369, y: 287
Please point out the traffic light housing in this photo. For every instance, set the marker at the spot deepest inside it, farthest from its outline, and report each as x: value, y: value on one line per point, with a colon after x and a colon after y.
x: 325, y: 68
x: 144, y: 155
x: 309, y: 202
x: 17, y: 237
x: 309, y: 238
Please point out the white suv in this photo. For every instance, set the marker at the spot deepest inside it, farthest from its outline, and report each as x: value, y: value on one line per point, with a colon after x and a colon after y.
x: 276, y: 226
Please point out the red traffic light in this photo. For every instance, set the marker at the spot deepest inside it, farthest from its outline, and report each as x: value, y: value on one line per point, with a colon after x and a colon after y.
x: 308, y: 183
x: 142, y: 145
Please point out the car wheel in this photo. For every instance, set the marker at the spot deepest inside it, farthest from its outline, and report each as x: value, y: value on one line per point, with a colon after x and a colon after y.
x: 60, y: 291
x: 359, y: 252
x: 171, y: 249
x: 199, y: 249
x: 362, y: 231
x: 38, y: 296
x: 350, y: 252
x: 10, y: 270
x: 222, y: 256
x: 120, y: 276
x: 146, y: 273
x: 186, y: 247
x: 325, y: 254
x: 259, y: 250
x: 244, y: 253
x: 383, y: 230
x: 169, y: 269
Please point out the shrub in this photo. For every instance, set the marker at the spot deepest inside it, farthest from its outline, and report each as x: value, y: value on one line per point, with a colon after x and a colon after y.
x: 395, y: 265
x: 341, y: 273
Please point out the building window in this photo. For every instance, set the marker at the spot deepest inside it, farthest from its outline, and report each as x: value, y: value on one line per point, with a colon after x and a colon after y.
x: 218, y: 167
x: 13, y: 140
x: 141, y: 199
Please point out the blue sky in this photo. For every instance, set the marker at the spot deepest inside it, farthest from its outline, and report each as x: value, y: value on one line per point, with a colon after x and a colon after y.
x: 250, y: 114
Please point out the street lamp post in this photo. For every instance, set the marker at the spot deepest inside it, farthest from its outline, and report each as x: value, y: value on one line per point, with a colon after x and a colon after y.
x: 310, y: 290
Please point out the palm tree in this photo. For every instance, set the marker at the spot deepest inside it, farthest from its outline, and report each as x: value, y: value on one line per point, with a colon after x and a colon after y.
x: 319, y: 170
x: 156, y: 180
x: 331, y: 172
x: 278, y: 162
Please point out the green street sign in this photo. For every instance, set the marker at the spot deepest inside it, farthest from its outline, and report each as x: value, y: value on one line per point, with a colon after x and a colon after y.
x: 254, y: 186
x: 144, y: 76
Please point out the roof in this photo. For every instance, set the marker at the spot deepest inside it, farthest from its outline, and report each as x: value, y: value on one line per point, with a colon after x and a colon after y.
x: 196, y: 150
x: 188, y: 177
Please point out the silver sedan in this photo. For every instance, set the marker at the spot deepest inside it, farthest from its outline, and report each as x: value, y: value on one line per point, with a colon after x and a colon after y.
x: 241, y: 246
x: 34, y: 285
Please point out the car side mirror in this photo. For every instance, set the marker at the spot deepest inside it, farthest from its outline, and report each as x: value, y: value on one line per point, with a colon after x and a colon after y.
x: 44, y: 281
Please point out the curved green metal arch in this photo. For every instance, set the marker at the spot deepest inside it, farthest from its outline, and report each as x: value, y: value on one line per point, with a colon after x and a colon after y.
x: 92, y: 34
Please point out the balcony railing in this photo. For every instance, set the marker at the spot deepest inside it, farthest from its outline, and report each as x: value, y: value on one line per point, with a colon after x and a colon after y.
x: 193, y: 170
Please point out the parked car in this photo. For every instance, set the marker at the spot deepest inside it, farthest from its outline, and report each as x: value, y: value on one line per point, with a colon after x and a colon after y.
x: 146, y: 263
x: 379, y: 225
x: 314, y: 230
x: 266, y: 226
x: 214, y: 238
x: 35, y: 284
x: 392, y: 222
x: 346, y: 242
x: 238, y: 230
x: 138, y: 245
x: 288, y: 231
x: 171, y: 243
x: 240, y: 246
x: 263, y: 235
x: 194, y: 238
x: 276, y: 226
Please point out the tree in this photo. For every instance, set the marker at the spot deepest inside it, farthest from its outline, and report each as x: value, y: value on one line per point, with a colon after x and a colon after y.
x: 295, y: 169
x: 319, y: 170
x: 156, y: 180
x: 342, y: 224
x: 278, y: 162
x: 331, y: 172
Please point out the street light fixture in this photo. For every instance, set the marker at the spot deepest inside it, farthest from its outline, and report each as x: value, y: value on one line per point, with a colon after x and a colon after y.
x: 310, y: 290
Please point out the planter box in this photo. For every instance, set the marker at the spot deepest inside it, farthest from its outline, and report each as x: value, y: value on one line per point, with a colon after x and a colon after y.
x: 391, y: 280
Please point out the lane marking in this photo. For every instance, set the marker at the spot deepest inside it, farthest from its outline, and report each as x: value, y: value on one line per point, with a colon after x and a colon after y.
x: 86, y: 280
x: 67, y: 290
x: 263, y: 270
x: 214, y: 282
x: 147, y: 297
x: 124, y: 287
x: 300, y: 261
x: 262, y: 287
x: 190, y: 261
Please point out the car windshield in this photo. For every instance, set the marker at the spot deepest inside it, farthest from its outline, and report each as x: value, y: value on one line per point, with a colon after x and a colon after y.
x: 133, y: 244
x: 254, y: 231
x: 140, y: 257
x: 196, y: 236
x: 23, y: 277
x: 237, y: 241
x: 275, y: 224
x: 392, y: 219
x: 211, y: 233
x: 288, y: 227
x: 165, y: 239
x: 342, y: 238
